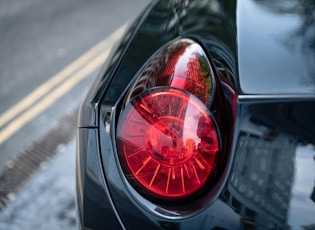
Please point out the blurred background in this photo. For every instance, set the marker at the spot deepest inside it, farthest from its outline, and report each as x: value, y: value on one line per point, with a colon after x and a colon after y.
x: 50, y: 53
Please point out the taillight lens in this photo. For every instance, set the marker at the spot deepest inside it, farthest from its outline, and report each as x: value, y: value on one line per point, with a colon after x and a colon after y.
x: 167, y: 139
x: 168, y: 142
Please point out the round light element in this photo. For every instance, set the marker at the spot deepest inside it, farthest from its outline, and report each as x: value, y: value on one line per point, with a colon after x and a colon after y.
x: 167, y: 143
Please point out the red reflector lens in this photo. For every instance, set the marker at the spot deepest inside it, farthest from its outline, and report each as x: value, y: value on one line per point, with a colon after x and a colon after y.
x: 183, y: 65
x: 168, y: 143
x: 188, y: 69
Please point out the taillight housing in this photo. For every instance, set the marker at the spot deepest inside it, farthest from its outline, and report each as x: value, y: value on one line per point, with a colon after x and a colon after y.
x: 168, y: 139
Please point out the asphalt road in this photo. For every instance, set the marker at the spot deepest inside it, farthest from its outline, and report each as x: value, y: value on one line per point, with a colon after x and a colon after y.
x: 50, y: 53
x: 38, y: 39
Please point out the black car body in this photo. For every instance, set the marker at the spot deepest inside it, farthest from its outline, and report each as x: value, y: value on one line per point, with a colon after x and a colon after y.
x: 258, y: 58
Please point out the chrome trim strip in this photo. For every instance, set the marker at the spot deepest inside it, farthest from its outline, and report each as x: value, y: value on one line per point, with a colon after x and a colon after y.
x: 276, y: 97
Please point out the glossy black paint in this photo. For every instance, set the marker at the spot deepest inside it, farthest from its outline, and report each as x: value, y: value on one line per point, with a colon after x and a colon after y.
x: 265, y: 52
x: 283, y: 61
x: 268, y: 183
x: 92, y: 193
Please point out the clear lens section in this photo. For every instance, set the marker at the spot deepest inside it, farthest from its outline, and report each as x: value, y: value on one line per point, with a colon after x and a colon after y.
x: 168, y: 143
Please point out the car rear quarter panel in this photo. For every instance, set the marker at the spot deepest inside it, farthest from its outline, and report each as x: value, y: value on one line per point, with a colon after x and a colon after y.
x: 270, y: 180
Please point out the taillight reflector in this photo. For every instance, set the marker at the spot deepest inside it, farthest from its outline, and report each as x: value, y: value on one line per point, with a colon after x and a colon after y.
x: 168, y: 143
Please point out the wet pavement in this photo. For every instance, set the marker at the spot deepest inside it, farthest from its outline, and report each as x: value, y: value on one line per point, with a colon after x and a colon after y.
x: 48, y: 200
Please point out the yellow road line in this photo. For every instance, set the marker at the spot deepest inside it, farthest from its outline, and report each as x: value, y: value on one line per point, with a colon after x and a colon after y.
x: 58, y: 78
x: 70, y: 76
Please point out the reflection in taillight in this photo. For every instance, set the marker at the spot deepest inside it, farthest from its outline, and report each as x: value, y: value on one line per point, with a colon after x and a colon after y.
x: 182, y: 65
x: 168, y: 141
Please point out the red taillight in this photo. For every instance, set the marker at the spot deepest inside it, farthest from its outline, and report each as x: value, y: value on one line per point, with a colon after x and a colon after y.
x: 187, y: 70
x: 167, y: 140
